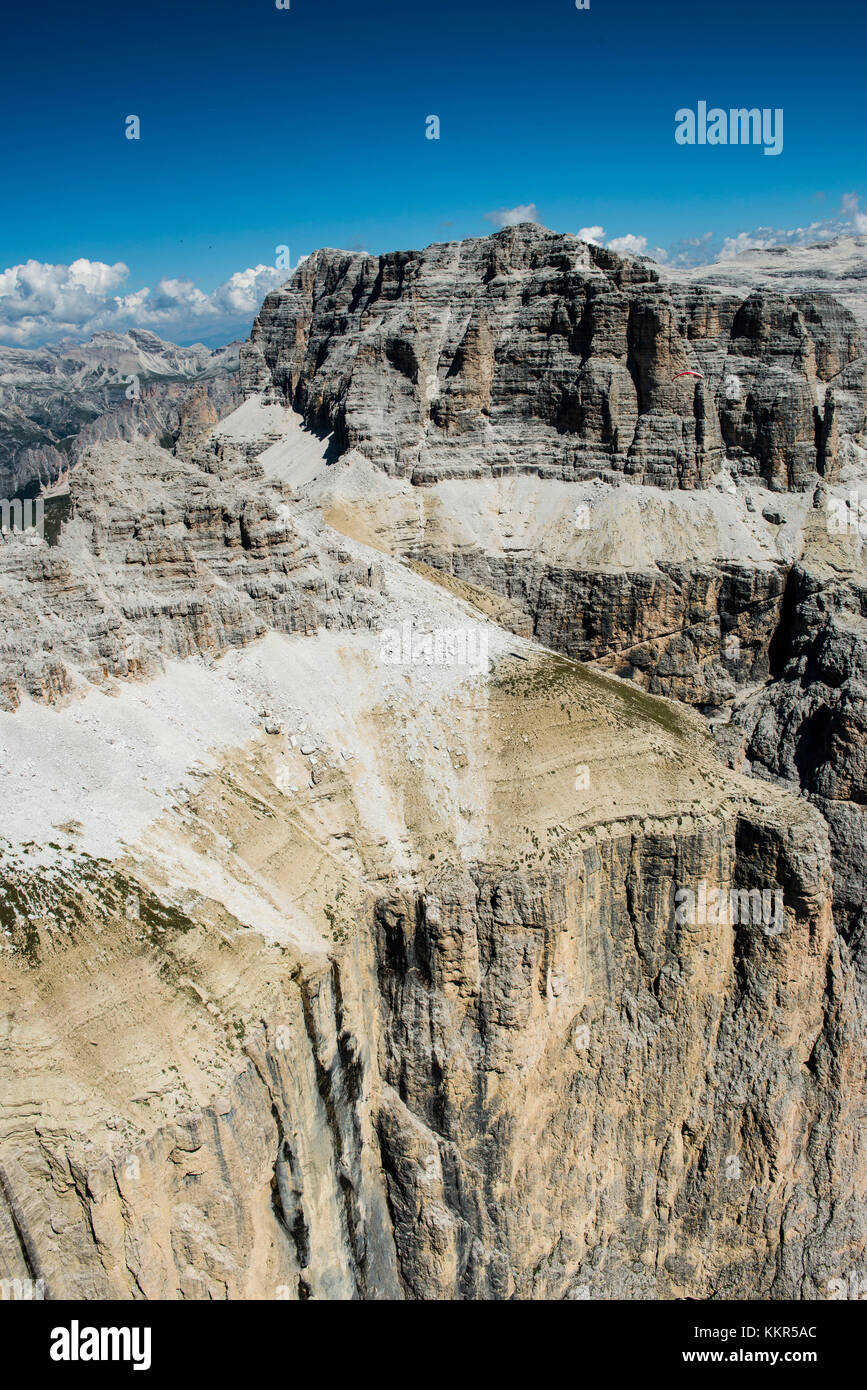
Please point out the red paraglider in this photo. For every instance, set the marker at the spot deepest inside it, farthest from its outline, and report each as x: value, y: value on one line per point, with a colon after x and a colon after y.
x: 700, y: 375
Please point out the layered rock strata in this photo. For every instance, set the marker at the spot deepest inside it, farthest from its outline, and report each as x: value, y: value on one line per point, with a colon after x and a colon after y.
x: 425, y: 1022
x: 534, y: 350
x: 332, y: 968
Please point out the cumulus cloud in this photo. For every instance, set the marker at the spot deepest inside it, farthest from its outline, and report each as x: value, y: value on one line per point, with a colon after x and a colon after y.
x: 852, y: 213
x: 34, y: 295
x: 510, y: 217
x: 629, y: 244
x: 40, y: 302
x: 744, y: 241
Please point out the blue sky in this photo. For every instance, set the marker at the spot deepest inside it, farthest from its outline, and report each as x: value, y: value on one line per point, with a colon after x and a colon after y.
x: 306, y: 127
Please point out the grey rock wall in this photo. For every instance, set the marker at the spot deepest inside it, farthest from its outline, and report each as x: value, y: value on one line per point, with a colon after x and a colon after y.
x: 532, y: 350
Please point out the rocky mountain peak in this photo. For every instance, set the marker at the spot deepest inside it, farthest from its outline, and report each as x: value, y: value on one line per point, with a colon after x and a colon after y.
x: 531, y: 350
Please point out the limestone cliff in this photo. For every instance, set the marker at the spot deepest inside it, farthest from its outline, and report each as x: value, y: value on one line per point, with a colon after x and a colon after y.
x: 334, y: 968
x: 534, y: 350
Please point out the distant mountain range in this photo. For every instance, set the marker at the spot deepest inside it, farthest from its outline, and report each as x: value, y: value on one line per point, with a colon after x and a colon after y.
x: 55, y: 401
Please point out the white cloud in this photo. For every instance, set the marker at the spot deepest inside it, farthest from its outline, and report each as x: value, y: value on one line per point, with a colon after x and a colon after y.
x: 744, y: 241
x: 36, y: 295
x: 630, y: 245
x: 244, y: 291
x: 850, y: 210
x: 510, y: 217
x: 41, y: 302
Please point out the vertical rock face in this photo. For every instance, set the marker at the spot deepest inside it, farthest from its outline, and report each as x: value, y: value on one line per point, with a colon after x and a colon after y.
x: 269, y: 1186
x: 533, y: 350
x: 616, y: 1113
x: 808, y: 726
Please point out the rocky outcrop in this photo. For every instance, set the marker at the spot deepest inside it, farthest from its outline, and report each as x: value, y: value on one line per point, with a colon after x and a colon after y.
x: 531, y: 350
x: 542, y: 1028
x: 183, y: 559
x: 463, y: 367
x: 692, y: 633
x: 269, y: 1186
x: 808, y: 726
